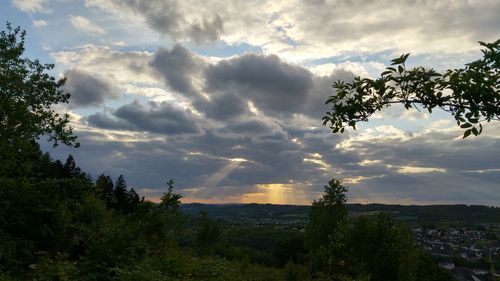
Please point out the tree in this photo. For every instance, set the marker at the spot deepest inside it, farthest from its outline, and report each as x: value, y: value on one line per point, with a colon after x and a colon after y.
x: 71, y: 169
x: 105, y: 187
x: 326, y: 229
x: 170, y: 201
x: 470, y: 94
x: 208, y: 232
x: 133, y: 200
x: 27, y: 96
x: 382, y: 248
x: 120, y: 193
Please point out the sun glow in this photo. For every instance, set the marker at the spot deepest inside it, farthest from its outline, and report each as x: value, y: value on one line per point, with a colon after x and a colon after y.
x: 277, y: 193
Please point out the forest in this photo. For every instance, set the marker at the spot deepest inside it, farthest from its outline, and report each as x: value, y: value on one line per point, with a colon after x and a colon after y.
x: 59, y: 223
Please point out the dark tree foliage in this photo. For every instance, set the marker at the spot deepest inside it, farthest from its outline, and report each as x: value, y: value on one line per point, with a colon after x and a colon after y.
x: 383, y: 249
x: 170, y: 201
x: 105, y: 187
x: 119, y: 197
x: 208, y: 232
x: 71, y: 169
x: 291, y: 250
x: 327, y: 216
x: 470, y: 94
x: 120, y: 193
x: 133, y: 199
x: 27, y: 95
x: 326, y: 229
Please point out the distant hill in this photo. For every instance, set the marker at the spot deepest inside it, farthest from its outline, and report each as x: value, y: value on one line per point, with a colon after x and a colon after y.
x: 430, y: 213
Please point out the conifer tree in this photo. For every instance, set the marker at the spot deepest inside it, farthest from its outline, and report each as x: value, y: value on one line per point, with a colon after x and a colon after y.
x: 120, y: 193
x: 105, y: 187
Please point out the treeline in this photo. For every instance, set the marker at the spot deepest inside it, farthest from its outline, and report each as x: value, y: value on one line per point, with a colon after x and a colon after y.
x: 61, y: 225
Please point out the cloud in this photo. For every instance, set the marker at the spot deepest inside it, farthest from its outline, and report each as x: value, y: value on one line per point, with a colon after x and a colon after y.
x: 85, y: 25
x: 422, y: 168
x: 229, y: 88
x: 223, y: 106
x: 158, y: 118
x: 88, y: 90
x: 179, y: 68
x: 124, y: 67
x: 170, y: 18
x: 39, y: 23
x: 254, y: 128
x: 208, y: 31
x: 29, y: 6
x: 302, y: 31
x: 272, y: 85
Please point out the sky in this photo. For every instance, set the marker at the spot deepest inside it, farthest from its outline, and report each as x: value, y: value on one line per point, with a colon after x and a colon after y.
x: 226, y: 97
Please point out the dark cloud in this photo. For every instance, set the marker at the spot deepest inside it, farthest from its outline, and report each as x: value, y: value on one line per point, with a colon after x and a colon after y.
x: 208, y: 31
x: 223, y: 106
x: 86, y: 89
x: 178, y: 67
x: 160, y: 118
x: 256, y: 129
x: 105, y: 121
x: 167, y: 18
x: 274, y: 86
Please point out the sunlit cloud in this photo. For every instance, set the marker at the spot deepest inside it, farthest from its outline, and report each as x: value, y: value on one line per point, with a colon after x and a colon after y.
x: 39, y: 23
x: 321, y: 163
x: 84, y: 24
x: 418, y: 170
x: 30, y: 6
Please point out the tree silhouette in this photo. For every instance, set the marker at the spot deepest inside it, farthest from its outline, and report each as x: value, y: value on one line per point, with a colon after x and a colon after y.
x: 327, y: 226
x: 105, y: 187
x: 470, y: 94
x: 71, y: 170
x: 170, y: 201
x: 27, y: 94
x: 120, y: 193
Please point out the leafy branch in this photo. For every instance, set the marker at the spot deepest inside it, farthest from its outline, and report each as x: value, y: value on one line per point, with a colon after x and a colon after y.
x: 470, y: 94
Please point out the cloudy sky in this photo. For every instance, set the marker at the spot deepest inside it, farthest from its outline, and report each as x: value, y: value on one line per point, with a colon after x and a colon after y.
x: 226, y: 97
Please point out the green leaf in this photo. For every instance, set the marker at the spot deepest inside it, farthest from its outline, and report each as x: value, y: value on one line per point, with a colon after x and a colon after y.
x: 466, y: 125
x: 474, y: 131
x: 395, y: 61
x: 467, y: 133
